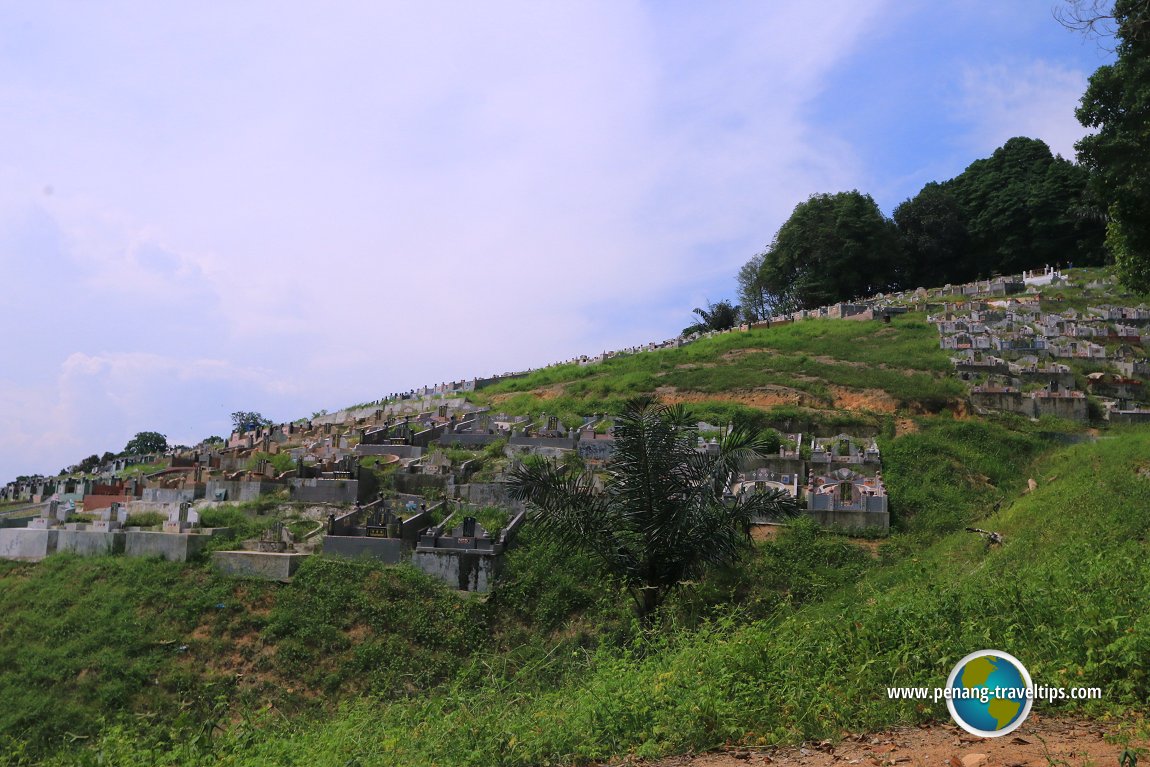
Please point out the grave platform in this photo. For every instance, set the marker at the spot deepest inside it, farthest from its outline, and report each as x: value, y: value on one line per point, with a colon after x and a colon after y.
x: 267, y: 565
x: 390, y: 551
x: 174, y: 547
x: 91, y: 543
x: 26, y: 544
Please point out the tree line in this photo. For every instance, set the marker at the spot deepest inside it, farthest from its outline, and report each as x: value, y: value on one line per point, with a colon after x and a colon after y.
x: 1021, y: 208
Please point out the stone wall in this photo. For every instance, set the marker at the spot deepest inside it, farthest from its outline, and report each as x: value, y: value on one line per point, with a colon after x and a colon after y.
x: 27, y: 545
x: 466, y: 571
x: 266, y: 565
x: 338, y: 491
x: 390, y: 551
x: 851, y: 520
x: 91, y: 543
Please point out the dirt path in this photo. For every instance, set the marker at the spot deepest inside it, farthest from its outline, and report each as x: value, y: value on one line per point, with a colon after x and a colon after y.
x: 1040, y: 742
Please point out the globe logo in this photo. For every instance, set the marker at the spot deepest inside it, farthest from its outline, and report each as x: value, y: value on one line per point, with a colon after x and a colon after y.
x: 989, y: 693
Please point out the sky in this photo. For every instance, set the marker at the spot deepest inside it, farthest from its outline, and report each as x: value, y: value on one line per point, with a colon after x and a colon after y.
x: 288, y: 207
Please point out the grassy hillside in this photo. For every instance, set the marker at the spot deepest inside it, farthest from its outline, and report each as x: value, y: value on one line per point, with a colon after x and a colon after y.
x: 1065, y: 593
x: 117, y: 661
x: 793, y: 376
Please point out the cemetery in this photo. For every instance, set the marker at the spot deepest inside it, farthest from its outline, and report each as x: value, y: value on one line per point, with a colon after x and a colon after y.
x: 1031, y: 355
x: 1011, y: 342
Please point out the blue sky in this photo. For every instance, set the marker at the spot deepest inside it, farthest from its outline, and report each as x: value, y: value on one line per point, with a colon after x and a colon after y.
x: 285, y: 207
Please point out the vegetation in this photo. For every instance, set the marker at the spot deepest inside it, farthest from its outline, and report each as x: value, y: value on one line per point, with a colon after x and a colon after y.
x: 248, y: 420
x: 721, y: 316
x: 833, y: 247
x: 1116, y: 150
x: 1021, y: 208
x: 660, y: 517
x: 550, y: 670
x: 146, y: 442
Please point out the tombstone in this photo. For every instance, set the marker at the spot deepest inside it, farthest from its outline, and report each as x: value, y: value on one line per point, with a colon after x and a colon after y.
x: 443, y: 411
x: 178, y: 520
x: 468, y: 527
x: 275, y: 539
x: 50, y: 516
x: 552, y: 423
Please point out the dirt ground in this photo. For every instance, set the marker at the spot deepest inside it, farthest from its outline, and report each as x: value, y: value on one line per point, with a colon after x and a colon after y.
x: 1040, y: 742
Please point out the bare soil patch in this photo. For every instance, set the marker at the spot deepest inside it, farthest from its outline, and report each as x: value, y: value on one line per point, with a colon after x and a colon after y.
x: 763, y: 397
x: 764, y: 533
x: 1040, y: 742
x: 905, y: 426
x: 874, y: 400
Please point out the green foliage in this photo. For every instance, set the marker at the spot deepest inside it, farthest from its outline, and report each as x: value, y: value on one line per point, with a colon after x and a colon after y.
x: 146, y: 519
x: 1116, y: 150
x: 834, y: 247
x: 74, y: 653
x: 281, y: 461
x: 1024, y: 208
x: 1065, y: 593
x: 933, y: 229
x: 852, y: 355
x: 415, y: 627
x: 721, y: 316
x: 248, y: 420
x: 951, y: 473
x: 658, y: 518
x: 146, y: 442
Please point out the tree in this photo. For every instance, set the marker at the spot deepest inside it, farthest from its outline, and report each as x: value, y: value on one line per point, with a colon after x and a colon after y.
x: 245, y: 420
x: 933, y: 231
x: 88, y: 464
x: 1118, y: 152
x: 720, y: 316
x: 834, y: 247
x: 146, y: 442
x: 657, y: 515
x: 1025, y: 208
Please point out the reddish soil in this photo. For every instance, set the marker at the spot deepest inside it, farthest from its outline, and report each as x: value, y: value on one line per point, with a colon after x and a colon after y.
x: 1040, y: 742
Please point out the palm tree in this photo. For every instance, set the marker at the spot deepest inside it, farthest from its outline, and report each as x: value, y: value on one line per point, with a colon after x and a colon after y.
x: 659, y: 513
x: 720, y: 316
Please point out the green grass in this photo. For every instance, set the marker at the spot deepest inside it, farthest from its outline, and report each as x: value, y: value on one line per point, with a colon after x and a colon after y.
x: 1065, y: 593
x: 851, y: 355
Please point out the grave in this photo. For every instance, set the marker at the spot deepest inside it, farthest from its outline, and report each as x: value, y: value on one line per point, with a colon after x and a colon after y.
x: 385, y: 536
x: 468, y: 558
x: 38, y: 540
x: 99, y: 538
x: 182, y: 538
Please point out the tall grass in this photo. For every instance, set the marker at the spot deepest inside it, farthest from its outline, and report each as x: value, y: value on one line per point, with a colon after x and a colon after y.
x: 1065, y: 593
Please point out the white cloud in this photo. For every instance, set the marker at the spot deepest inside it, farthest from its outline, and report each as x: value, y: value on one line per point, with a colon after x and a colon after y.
x: 281, y: 208
x: 1036, y: 100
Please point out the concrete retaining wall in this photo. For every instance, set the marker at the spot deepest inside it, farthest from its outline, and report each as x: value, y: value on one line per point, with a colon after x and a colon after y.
x: 239, y: 491
x: 403, y: 451
x: 269, y: 566
x: 463, y: 570
x: 174, y: 547
x: 851, y: 520
x: 390, y: 551
x: 325, y: 490
x: 89, y: 543
x: 27, y: 545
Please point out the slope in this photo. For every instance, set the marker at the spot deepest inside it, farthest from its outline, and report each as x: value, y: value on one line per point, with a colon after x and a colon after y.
x: 1065, y: 593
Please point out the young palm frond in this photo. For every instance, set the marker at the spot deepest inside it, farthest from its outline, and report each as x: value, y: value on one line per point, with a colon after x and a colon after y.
x: 660, y: 515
